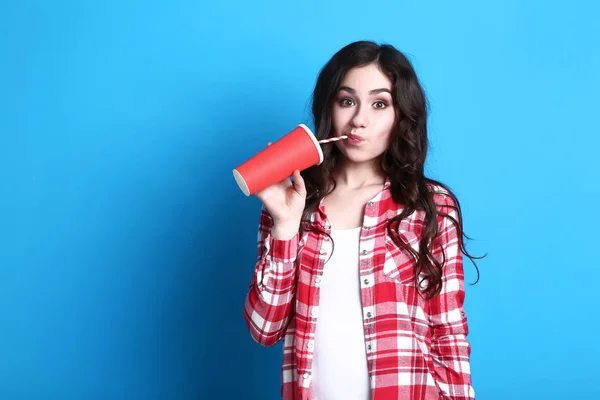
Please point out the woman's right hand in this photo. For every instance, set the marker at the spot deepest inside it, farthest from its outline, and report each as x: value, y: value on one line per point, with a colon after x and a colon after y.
x: 285, y: 202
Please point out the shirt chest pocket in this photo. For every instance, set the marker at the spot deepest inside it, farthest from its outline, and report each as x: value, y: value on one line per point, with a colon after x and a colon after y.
x: 399, y: 263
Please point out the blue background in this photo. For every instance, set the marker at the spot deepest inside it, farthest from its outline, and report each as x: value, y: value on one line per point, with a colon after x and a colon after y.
x: 126, y: 248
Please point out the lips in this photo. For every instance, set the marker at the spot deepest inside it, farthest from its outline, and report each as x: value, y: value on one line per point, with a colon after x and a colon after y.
x: 354, y: 139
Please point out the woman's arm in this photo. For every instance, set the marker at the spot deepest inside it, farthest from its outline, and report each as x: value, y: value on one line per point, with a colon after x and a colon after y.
x: 450, y: 349
x: 269, y: 301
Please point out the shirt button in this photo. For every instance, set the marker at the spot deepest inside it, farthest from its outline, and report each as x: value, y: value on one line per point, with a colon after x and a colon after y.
x: 370, y: 204
x: 322, y: 251
x: 369, y: 347
x: 327, y: 226
x: 364, y: 252
x: 369, y: 315
x: 305, y: 376
x: 366, y: 281
x: 313, y: 313
x: 318, y: 279
x: 309, y: 345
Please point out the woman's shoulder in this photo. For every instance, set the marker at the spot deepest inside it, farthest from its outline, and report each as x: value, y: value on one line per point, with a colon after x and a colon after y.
x: 443, y: 197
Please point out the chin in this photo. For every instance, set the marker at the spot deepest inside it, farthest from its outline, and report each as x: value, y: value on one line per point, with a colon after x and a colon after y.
x: 359, y: 159
x: 357, y: 156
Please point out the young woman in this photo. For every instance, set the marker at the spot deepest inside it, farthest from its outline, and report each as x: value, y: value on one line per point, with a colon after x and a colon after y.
x: 359, y: 265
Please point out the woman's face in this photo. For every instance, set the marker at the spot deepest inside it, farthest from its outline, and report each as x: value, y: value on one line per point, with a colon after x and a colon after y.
x: 364, y: 111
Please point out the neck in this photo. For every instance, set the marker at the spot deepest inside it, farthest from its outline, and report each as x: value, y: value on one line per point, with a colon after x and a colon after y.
x: 358, y: 175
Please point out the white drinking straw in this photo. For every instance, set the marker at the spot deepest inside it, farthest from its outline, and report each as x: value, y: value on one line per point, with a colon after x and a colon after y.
x: 333, y: 139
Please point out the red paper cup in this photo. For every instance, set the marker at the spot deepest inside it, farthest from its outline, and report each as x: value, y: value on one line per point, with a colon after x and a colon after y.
x: 298, y: 150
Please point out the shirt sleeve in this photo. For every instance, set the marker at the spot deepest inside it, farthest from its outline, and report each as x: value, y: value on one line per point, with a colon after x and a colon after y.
x: 269, y: 301
x: 450, y: 348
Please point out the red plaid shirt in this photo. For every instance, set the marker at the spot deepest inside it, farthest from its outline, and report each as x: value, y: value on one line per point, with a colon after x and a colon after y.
x: 415, y: 348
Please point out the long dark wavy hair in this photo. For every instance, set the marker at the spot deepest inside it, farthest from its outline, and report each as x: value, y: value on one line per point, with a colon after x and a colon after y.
x: 403, y: 161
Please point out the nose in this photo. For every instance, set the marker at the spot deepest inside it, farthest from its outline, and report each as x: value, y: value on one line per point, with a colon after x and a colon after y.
x: 360, y: 118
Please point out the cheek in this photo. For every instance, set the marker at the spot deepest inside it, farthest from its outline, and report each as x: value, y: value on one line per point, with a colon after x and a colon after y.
x: 340, y: 118
x: 390, y: 118
x: 385, y: 122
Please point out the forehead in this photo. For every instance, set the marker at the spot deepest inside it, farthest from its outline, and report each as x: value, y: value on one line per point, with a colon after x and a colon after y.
x: 366, y: 78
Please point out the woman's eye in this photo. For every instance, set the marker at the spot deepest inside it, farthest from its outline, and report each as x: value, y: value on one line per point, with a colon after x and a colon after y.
x: 379, y: 105
x: 346, y: 102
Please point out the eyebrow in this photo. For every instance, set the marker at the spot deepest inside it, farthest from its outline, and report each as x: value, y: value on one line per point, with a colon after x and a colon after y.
x: 374, y: 91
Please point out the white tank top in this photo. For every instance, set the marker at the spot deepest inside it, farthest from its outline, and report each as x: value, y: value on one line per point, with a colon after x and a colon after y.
x: 340, y: 363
